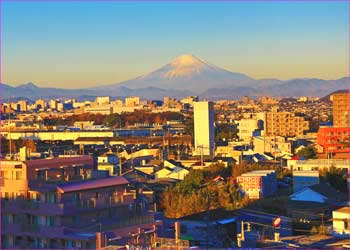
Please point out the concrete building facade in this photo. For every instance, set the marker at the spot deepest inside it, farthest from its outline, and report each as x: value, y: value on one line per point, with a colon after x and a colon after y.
x: 204, y: 128
x: 285, y: 124
x: 341, y: 109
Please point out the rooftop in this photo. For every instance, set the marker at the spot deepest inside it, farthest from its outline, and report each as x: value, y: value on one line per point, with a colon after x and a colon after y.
x: 343, y: 210
x: 92, y: 184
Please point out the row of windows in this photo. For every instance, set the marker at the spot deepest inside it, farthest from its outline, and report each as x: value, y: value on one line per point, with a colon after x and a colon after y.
x: 11, y: 174
x: 31, y: 219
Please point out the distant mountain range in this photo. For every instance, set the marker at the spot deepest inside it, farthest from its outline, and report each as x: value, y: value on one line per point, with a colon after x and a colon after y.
x: 189, y: 75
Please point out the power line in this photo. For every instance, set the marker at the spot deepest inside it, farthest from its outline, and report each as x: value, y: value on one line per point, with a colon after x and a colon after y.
x: 265, y: 225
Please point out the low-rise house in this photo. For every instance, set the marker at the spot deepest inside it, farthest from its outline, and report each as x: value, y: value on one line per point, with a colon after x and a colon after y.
x: 108, y: 162
x: 341, y: 222
x: 258, y: 184
x: 315, y: 202
x: 178, y: 173
x: 302, y: 179
x: 321, y: 193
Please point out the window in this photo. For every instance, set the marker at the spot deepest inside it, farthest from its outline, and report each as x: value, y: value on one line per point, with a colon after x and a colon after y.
x: 346, y: 224
x: 18, y: 175
x: 4, y: 174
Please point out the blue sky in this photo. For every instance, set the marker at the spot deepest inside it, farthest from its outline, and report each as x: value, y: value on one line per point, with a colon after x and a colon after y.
x: 82, y: 44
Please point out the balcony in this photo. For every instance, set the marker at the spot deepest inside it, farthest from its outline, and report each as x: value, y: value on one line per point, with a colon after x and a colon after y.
x: 10, y: 228
x: 98, y: 203
x: 131, y: 219
x: 35, y: 207
x: 32, y: 229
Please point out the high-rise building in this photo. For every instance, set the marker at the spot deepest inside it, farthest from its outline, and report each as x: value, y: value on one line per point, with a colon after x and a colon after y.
x: 341, y: 109
x: 204, y: 128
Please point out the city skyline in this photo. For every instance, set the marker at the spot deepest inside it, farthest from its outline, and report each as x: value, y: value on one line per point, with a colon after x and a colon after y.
x: 74, y: 45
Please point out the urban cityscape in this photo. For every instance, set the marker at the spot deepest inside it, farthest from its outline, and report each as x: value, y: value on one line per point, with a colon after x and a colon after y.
x: 187, y: 156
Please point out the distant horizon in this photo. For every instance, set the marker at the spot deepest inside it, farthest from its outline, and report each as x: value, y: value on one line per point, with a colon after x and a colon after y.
x: 88, y: 44
x: 103, y: 84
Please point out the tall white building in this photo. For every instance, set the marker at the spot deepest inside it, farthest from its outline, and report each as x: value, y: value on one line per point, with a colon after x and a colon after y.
x: 204, y: 128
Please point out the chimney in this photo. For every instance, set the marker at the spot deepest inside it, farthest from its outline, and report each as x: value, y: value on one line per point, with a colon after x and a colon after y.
x: 177, y: 231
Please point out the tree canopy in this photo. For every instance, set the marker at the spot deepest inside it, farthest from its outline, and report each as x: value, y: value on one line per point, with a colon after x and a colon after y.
x: 308, y: 152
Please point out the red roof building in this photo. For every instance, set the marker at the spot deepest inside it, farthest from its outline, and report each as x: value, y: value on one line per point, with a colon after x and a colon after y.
x: 334, y: 139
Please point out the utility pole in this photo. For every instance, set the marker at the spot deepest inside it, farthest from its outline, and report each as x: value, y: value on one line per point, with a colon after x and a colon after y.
x: 120, y: 165
x: 322, y: 214
x: 242, y: 231
x: 201, y: 147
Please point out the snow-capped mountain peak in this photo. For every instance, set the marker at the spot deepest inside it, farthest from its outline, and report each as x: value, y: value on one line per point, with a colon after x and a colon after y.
x: 187, y: 72
x: 183, y: 66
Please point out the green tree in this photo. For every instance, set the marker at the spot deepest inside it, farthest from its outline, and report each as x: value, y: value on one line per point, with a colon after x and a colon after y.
x: 336, y: 178
x: 226, y: 131
x: 308, y: 152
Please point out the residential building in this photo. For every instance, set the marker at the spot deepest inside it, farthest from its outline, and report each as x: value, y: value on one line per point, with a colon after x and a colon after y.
x: 204, y: 128
x: 40, y: 104
x: 341, y: 109
x: 341, y: 222
x: 258, y: 184
x: 321, y: 193
x: 285, y: 124
x: 302, y: 179
x: 316, y: 164
x: 108, y: 162
x: 247, y: 128
x: 276, y: 145
x: 22, y: 105
x: 189, y: 100
x: 57, y: 203
x: 53, y: 104
x: 104, y: 110
x: 101, y: 100
x: 132, y: 101
x: 334, y: 140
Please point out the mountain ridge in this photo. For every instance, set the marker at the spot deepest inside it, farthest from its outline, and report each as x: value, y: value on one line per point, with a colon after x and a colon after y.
x: 189, y: 75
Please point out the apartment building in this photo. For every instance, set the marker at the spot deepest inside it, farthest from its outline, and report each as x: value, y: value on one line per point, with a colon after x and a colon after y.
x: 334, y: 139
x: 60, y: 203
x: 341, y: 109
x: 285, y: 124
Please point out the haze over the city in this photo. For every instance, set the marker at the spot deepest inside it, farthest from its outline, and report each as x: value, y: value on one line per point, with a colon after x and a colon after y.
x: 75, y: 45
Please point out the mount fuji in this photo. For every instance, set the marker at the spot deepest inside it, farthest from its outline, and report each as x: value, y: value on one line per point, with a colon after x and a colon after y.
x: 186, y: 72
x: 188, y: 75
